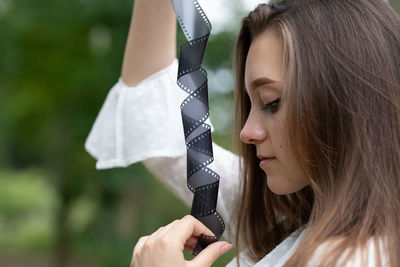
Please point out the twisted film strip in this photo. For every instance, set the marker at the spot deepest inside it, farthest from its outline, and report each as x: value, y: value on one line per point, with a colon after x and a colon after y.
x: 192, y: 78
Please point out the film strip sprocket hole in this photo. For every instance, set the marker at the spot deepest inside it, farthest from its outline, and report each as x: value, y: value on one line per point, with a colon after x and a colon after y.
x: 192, y: 78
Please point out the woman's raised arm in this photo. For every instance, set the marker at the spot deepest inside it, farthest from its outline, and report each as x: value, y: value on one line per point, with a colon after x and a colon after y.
x: 151, y: 44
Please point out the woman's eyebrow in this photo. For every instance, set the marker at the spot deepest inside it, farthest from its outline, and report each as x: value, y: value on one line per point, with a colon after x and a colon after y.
x: 260, y: 82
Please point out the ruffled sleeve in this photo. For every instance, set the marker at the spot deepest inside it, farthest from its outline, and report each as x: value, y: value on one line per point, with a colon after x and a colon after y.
x: 139, y: 122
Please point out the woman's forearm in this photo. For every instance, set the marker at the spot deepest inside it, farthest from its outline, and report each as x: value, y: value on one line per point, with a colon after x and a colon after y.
x: 151, y: 43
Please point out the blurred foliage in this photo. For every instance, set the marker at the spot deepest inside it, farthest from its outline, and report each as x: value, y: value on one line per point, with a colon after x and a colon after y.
x: 59, y: 60
x: 27, y: 204
x: 395, y: 4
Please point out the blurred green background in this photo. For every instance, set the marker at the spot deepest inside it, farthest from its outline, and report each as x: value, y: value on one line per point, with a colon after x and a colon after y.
x: 58, y: 61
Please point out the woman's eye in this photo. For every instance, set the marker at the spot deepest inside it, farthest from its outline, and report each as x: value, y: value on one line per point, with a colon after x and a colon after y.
x: 272, y: 106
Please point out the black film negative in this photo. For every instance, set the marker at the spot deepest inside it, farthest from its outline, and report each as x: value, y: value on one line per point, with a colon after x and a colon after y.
x: 192, y: 78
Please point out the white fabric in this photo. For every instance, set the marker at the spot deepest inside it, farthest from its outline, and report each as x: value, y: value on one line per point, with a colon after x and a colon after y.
x: 142, y: 123
x: 369, y: 254
x: 283, y: 251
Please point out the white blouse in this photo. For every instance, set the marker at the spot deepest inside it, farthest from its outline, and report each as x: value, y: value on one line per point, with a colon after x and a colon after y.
x: 143, y: 123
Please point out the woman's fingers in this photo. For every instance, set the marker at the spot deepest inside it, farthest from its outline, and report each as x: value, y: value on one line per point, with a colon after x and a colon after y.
x: 161, y: 234
x: 191, y: 244
x: 187, y: 230
x: 154, y: 236
x: 192, y: 241
x: 187, y: 227
x: 210, y: 254
x: 140, y: 244
x: 158, y: 230
x: 162, y: 230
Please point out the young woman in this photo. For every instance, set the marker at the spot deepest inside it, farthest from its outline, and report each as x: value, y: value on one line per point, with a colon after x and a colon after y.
x: 317, y: 178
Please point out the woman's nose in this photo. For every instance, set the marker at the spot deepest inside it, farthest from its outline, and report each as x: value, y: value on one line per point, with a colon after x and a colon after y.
x: 252, y: 132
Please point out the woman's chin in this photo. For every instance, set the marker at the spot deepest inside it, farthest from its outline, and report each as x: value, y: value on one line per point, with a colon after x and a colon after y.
x: 279, y: 186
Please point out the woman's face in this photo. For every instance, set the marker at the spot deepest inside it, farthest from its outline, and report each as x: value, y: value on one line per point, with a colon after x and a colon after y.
x: 266, y: 124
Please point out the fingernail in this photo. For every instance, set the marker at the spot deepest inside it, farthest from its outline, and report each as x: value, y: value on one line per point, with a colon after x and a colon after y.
x: 225, y: 248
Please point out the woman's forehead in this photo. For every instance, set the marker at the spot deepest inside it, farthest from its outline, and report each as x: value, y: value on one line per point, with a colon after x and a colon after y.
x: 264, y: 59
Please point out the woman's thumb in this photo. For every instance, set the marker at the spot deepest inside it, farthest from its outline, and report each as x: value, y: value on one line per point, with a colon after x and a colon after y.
x: 210, y: 254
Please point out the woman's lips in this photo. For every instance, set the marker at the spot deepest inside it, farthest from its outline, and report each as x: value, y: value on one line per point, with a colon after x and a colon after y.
x: 265, y: 161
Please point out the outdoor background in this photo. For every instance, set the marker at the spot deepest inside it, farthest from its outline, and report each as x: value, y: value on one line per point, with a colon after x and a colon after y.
x: 58, y: 61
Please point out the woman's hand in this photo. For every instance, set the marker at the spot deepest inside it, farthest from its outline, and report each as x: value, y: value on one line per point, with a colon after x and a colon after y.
x: 164, y: 248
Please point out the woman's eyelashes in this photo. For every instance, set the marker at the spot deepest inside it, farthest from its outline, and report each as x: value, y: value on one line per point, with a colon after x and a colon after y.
x: 272, y: 106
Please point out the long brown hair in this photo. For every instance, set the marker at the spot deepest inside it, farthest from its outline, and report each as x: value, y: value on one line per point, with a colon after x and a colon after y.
x: 341, y: 63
